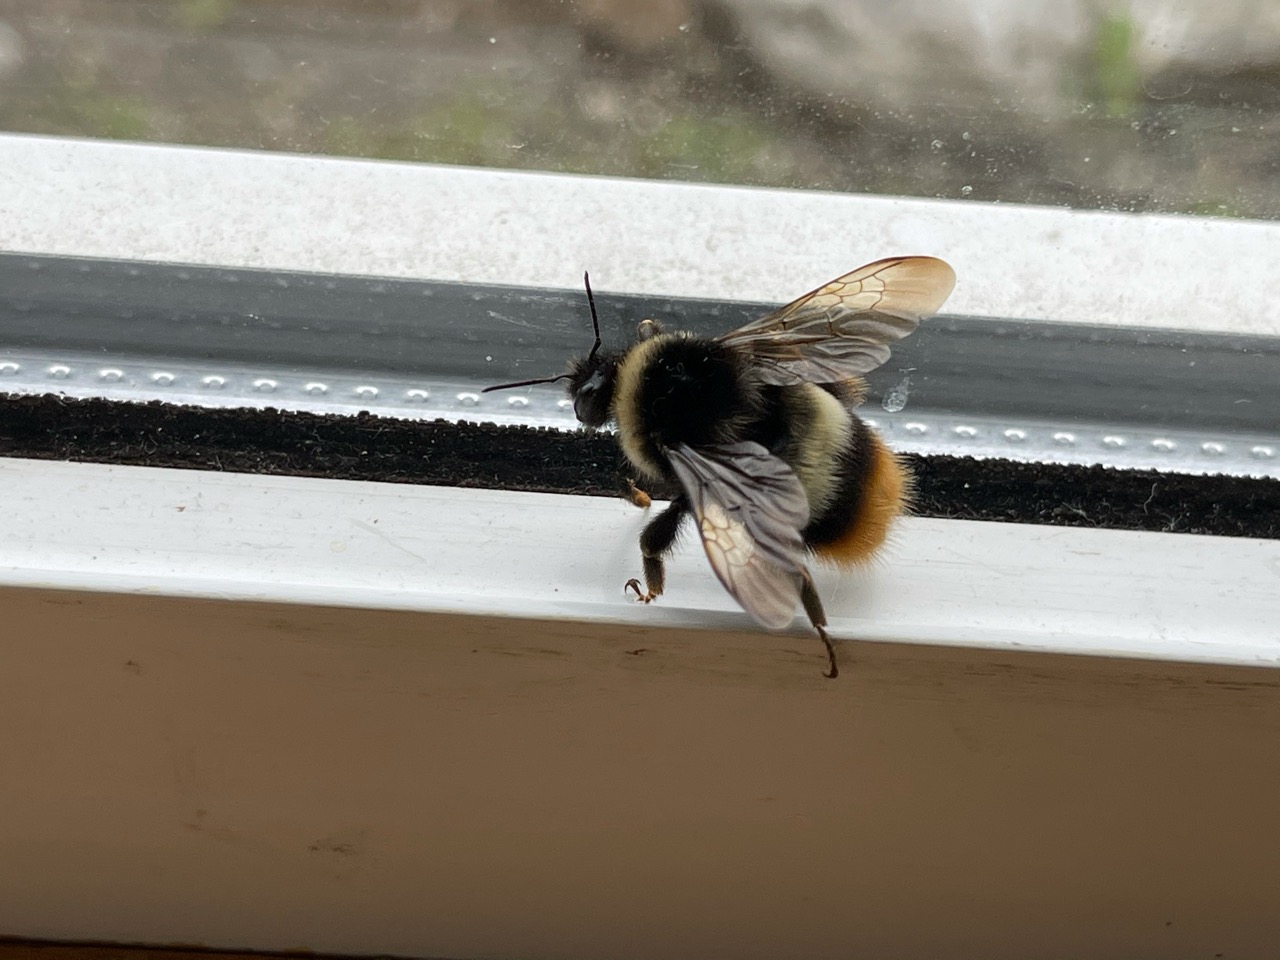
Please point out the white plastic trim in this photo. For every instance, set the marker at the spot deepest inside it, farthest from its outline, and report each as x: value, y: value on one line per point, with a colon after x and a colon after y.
x: 194, y: 205
x: 136, y: 530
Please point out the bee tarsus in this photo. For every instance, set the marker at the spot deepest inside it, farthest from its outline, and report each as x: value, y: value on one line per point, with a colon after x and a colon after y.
x: 832, y: 670
x: 642, y: 596
x: 637, y: 496
x: 818, y: 617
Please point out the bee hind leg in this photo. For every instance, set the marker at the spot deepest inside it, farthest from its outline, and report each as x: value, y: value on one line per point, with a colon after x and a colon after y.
x: 818, y: 617
x: 656, y: 540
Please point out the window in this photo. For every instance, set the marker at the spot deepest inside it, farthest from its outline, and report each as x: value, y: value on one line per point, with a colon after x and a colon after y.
x: 267, y: 701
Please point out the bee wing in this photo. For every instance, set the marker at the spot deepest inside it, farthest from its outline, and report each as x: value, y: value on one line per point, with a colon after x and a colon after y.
x: 844, y: 329
x: 750, y: 509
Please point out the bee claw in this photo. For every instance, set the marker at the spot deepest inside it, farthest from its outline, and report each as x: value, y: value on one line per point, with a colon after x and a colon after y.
x: 642, y: 596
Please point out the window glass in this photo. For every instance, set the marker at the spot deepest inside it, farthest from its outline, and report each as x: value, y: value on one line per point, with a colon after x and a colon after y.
x: 1126, y: 106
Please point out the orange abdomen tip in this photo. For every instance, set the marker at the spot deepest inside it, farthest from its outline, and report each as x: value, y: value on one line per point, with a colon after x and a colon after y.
x: 886, y: 492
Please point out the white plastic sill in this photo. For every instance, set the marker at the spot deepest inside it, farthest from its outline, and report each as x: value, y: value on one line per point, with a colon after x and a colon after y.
x: 269, y: 210
x: 134, y: 530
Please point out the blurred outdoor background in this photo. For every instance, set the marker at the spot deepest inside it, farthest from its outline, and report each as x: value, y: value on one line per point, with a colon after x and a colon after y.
x: 1136, y: 106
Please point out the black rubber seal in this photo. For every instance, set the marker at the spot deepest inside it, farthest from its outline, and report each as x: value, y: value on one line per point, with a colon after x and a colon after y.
x: 443, y: 453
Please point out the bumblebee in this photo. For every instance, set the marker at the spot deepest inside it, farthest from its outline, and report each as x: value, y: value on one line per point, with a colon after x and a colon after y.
x: 756, y: 430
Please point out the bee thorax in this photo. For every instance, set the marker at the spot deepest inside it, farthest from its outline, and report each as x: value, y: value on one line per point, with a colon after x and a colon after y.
x: 676, y: 389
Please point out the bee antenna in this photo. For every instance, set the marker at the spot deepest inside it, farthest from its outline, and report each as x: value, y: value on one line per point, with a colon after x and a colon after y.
x: 525, y: 383
x: 595, y: 320
x: 595, y: 326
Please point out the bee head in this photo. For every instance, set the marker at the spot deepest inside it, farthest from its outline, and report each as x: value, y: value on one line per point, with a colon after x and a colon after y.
x: 591, y: 378
x: 591, y: 381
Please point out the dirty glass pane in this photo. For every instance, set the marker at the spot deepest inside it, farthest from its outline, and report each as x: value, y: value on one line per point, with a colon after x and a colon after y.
x: 1123, y: 106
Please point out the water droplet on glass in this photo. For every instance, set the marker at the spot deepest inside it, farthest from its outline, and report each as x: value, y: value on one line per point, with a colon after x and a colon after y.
x: 1014, y: 435
x: 366, y: 392
x: 316, y: 389
x: 417, y: 395
x: 9, y: 369
x: 965, y: 431
x: 214, y: 382
x: 966, y: 190
x: 895, y: 400
x: 1262, y: 452
x: 518, y: 402
x: 919, y: 429
x: 60, y: 371
x: 937, y: 145
x: 1113, y: 441
x: 162, y: 378
x: 469, y: 399
x: 1163, y: 445
x: 264, y: 385
x: 1213, y: 448
x: 1064, y: 438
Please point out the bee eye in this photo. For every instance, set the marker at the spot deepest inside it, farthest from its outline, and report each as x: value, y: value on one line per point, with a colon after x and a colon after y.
x: 591, y: 400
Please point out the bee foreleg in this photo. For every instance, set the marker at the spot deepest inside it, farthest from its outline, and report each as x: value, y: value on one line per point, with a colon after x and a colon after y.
x: 813, y: 607
x: 656, y: 540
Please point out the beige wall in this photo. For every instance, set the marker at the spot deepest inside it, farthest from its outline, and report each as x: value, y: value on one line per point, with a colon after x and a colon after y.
x: 179, y: 771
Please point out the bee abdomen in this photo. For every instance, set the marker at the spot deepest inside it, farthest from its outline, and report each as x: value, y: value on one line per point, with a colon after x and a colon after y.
x: 873, y: 487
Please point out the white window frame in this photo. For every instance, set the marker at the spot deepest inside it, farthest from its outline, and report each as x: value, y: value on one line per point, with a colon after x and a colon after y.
x: 277, y: 712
